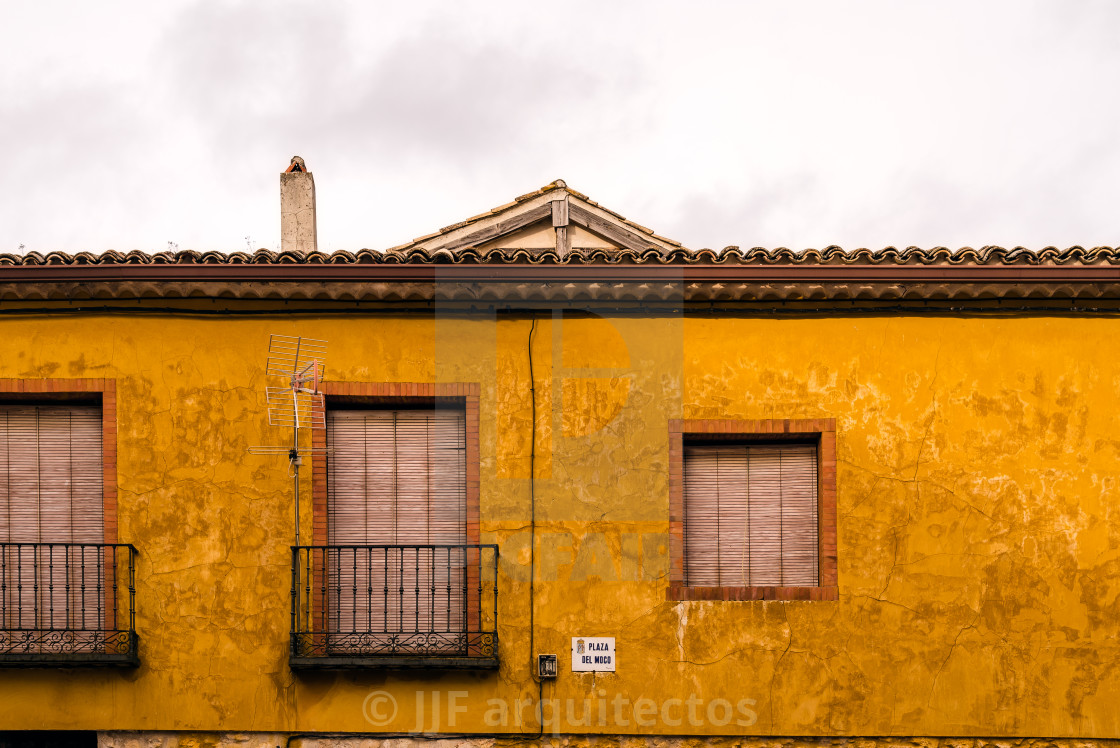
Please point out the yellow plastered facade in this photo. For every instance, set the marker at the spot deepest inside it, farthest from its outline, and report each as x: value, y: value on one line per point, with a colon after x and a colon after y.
x: 978, y: 541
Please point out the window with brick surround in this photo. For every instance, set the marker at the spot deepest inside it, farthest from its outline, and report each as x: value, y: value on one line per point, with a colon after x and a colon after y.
x: 753, y: 510
x: 396, y: 575
x: 66, y: 591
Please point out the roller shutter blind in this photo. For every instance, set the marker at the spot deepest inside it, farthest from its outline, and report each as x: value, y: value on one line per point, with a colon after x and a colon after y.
x: 396, y: 477
x: 51, y: 492
x: 750, y: 515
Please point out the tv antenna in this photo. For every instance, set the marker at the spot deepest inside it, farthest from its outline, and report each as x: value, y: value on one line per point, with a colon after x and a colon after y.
x: 296, y: 403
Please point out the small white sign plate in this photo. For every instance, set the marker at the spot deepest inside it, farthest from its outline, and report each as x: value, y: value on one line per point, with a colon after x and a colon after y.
x: 590, y: 653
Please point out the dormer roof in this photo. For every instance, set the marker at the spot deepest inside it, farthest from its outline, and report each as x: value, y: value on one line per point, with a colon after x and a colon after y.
x: 555, y: 218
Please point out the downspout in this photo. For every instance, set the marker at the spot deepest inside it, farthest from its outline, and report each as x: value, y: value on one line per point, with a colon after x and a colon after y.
x: 533, y: 533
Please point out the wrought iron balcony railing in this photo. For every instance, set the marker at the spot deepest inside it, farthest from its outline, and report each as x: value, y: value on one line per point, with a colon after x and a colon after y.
x: 395, y: 606
x: 67, y: 604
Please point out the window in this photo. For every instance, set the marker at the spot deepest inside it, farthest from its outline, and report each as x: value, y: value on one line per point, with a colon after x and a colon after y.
x: 753, y: 510
x: 396, y: 576
x: 397, y: 482
x: 51, y: 518
x: 50, y: 474
x: 66, y: 591
x: 750, y: 515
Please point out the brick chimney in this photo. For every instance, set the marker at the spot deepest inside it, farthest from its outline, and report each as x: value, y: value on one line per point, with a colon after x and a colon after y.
x: 297, y: 209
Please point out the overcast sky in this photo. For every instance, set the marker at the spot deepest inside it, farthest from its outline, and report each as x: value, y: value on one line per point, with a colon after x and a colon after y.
x: 799, y: 124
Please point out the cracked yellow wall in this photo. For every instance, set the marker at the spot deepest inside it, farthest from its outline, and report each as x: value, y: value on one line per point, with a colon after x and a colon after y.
x: 978, y: 535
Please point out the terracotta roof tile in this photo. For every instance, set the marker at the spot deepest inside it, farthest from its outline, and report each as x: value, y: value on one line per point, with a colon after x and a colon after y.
x: 990, y: 255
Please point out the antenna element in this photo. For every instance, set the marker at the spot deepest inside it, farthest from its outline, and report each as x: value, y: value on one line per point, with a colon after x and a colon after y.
x: 295, y: 401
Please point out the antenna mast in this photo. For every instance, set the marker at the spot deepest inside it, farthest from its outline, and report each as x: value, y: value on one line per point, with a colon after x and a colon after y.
x: 296, y: 402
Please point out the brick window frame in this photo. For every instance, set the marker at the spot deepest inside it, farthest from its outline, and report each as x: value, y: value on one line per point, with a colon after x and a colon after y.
x: 823, y: 431
x: 390, y: 394
x: 69, y: 390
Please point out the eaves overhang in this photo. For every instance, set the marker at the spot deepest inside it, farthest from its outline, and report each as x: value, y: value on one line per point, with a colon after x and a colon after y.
x: 681, y: 276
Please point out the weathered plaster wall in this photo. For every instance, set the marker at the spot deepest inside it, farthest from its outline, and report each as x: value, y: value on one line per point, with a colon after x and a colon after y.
x: 978, y: 541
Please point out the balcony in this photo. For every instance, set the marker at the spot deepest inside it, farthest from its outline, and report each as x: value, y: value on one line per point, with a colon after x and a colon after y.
x: 68, y: 605
x: 394, y: 606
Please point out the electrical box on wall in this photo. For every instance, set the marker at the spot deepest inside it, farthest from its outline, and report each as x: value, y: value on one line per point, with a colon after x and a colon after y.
x: 546, y: 666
